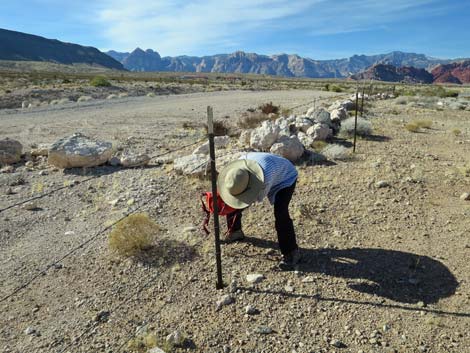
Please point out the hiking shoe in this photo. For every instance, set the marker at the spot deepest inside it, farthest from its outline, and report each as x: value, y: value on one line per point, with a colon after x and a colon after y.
x: 236, y: 235
x: 289, y: 260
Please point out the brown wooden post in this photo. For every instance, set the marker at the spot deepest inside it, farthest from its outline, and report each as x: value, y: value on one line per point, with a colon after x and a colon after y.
x: 355, y: 120
x: 218, y: 256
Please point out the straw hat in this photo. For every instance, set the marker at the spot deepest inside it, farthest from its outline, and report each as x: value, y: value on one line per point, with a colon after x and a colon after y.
x: 240, y: 183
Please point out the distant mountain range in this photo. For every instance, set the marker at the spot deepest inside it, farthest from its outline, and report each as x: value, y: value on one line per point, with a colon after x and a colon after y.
x: 395, y: 66
x: 283, y: 64
x: 17, y: 46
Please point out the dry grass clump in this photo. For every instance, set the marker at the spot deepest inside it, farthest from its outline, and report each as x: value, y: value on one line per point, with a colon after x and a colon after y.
x: 336, y: 152
x: 132, y: 235
x: 319, y: 145
x: 364, y: 127
x: 456, y: 132
x: 412, y: 127
x: 268, y: 108
x: 250, y: 120
x: 424, y: 124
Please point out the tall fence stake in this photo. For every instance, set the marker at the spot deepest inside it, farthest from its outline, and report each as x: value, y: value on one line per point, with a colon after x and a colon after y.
x: 218, y: 257
x: 362, y: 99
x: 355, y: 120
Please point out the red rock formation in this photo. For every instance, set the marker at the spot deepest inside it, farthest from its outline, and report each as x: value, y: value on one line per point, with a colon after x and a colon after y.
x: 458, y: 72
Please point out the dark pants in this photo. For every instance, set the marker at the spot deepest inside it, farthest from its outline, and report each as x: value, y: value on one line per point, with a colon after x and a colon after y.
x: 284, y: 226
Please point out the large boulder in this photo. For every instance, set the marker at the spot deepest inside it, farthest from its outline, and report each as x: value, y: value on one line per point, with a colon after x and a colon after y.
x: 303, y: 124
x: 305, y: 139
x: 320, y: 132
x: 10, y: 151
x: 263, y: 137
x: 321, y: 116
x: 288, y: 147
x: 132, y: 160
x: 219, y: 142
x: 346, y: 104
x: 337, y: 115
x: 79, y: 150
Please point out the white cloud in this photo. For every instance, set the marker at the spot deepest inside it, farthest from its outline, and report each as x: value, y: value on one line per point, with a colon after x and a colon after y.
x: 177, y: 27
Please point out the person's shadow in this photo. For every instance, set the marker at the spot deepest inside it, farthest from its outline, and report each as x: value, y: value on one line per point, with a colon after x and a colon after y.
x: 400, y: 276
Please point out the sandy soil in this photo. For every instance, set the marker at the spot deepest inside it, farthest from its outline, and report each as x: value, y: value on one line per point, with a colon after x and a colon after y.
x: 384, y: 269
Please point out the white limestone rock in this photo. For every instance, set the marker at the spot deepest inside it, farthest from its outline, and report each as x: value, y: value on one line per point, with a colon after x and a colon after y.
x: 131, y: 160
x: 337, y: 115
x: 320, y: 132
x: 288, y: 147
x: 263, y: 137
x: 305, y: 139
x: 79, y: 150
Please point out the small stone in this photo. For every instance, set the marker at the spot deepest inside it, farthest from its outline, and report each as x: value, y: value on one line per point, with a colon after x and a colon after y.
x: 337, y: 343
x: 382, y: 184
x: 30, y: 206
x: 176, y: 338
x: 308, y: 279
x: 113, y: 202
x: 289, y: 289
x: 264, y: 330
x: 465, y: 196
x: 225, y: 300
x: 385, y: 328
x: 254, y: 278
x: 421, y: 304
x: 29, y: 331
x: 373, y: 341
x: 156, y: 350
x: 69, y: 233
x: 251, y: 310
x: 191, y: 229
x: 114, y: 161
x: 130, y: 202
x: 226, y: 349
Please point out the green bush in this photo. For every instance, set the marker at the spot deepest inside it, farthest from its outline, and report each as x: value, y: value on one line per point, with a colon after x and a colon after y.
x: 100, y: 81
x: 336, y: 88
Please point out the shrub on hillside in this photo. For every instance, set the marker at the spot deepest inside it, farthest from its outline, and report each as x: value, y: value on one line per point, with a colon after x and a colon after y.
x: 100, y: 81
x: 364, y: 127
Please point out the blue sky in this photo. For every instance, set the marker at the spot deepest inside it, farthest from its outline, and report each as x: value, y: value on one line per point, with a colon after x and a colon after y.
x: 318, y: 29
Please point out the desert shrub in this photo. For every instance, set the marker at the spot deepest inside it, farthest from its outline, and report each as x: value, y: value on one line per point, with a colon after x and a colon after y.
x: 456, y: 132
x: 286, y: 112
x: 401, y: 101
x: 319, y: 145
x: 268, y: 108
x: 221, y: 128
x: 250, y: 120
x: 100, y: 81
x: 132, y: 235
x: 412, y: 127
x: 364, y: 127
x: 336, y: 152
x: 424, y: 124
x: 335, y: 88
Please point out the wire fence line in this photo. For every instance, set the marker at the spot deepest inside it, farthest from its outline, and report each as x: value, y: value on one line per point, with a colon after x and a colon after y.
x: 96, y: 236
x: 53, y: 191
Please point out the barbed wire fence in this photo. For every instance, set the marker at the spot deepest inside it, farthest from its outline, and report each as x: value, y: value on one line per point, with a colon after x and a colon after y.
x: 44, y: 270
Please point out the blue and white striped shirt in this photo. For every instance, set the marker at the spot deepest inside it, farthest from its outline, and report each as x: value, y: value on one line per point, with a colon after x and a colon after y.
x: 279, y: 173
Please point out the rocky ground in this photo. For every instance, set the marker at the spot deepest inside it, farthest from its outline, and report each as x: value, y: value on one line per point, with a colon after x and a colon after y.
x: 384, y: 236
